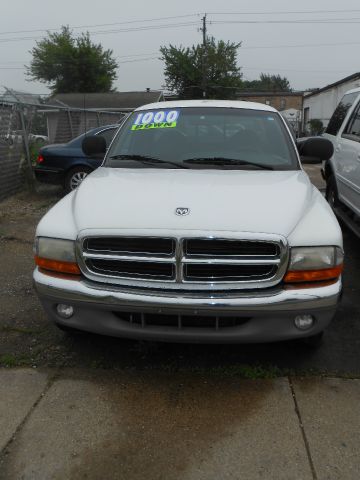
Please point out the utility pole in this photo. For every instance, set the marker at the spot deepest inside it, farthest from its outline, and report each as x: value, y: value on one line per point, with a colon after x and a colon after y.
x: 204, y: 56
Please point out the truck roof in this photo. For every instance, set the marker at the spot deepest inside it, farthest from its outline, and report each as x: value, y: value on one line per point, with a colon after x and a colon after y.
x: 208, y: 103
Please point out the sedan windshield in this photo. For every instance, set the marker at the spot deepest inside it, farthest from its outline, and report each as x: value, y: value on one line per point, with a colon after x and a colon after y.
x: 208, y: 138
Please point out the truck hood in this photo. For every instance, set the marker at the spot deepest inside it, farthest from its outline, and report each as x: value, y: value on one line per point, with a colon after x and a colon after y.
x: 219, y: 200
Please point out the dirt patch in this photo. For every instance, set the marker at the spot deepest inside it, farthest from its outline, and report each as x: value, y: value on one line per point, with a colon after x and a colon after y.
x: 20, y: 214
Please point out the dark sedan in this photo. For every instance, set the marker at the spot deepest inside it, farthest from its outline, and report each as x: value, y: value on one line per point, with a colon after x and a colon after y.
x: 66, y: 164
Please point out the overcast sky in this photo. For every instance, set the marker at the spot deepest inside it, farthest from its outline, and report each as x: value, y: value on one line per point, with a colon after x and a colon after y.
x: 331, y: 52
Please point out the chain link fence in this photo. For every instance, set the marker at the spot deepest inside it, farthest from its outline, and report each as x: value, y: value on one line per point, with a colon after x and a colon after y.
x: 14, y: 171
x: 24, y: 128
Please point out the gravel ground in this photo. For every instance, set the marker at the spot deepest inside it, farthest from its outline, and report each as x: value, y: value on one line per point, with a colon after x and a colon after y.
x: 28, y: 338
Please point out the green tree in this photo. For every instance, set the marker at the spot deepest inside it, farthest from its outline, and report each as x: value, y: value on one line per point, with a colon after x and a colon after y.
x: 68, y: 64
x: 316, y: 126
x: 209, y: 68
x: 268, y: 83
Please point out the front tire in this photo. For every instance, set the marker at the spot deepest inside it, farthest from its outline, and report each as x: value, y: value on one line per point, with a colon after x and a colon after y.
x: 332, y: 193
x: 75, y: 176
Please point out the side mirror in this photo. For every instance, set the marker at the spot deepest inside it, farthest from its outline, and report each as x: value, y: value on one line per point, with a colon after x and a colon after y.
x: 314, y: 149
x: 94, y: 146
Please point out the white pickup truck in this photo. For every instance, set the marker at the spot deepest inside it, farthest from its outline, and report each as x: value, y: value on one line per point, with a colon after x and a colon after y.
x: 342, y: 171
x: 200, y: 226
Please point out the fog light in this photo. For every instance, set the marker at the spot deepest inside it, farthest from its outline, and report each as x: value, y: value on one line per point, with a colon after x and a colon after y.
x: 65, y: 311
x: 303, y: 322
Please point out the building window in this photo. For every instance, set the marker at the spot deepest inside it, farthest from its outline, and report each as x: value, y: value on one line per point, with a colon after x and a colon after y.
x: 282, y: 103
x: 267, y: 102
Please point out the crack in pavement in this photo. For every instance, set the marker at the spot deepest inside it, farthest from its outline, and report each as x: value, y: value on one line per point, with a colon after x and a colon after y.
x: 302, y: 429
x: 5, y: 451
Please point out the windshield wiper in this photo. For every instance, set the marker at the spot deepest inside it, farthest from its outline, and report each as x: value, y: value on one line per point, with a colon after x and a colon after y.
x: 225, y: 161
x: 146, y: 160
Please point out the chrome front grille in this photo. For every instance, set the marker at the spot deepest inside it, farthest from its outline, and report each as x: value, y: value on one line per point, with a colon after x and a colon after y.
x: 225, y: 272
x: 142, y: 246
x: 201, y: 247
x: 184, y: 263
x: 132, y: 269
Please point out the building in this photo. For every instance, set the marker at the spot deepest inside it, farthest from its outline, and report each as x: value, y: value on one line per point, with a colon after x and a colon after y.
x: 70, y: 114
x: 290, y: 104
x: 279, y: 100
x: 321, y: 103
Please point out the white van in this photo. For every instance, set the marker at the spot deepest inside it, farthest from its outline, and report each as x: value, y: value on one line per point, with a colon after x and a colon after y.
x: 342, y: 171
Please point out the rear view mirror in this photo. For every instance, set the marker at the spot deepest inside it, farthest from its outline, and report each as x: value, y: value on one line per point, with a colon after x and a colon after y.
x: 94, y: 146
x: 314, y: 149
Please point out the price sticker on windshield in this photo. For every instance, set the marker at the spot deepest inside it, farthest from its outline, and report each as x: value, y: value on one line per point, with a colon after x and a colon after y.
x: 156, y: 119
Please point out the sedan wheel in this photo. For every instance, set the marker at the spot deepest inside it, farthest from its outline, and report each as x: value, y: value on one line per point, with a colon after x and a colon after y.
x: 75, y: 177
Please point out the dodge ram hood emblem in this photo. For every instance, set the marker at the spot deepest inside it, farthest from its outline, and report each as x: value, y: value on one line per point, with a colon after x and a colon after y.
x: 182, y: 211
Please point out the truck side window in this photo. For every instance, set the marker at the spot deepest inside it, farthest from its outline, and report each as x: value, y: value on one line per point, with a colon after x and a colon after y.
x: 340, y: 113
x: 353, y: 127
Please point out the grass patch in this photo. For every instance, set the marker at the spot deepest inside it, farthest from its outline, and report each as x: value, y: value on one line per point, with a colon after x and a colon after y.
x: 8, y: 360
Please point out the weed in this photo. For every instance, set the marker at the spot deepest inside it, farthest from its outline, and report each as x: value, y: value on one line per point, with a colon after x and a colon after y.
x: 8, y: 360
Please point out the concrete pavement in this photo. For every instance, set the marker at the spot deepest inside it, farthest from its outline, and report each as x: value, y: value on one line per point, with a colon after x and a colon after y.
x: 130, y: 424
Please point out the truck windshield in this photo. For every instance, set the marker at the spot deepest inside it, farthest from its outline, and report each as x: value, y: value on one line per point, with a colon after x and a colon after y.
x: 209, y: 138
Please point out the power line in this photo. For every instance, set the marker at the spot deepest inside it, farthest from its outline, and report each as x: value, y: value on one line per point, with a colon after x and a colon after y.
x: 181, y: 16
x: 303, y: 12
x: 304, y: 45
x: 101, y: 24
x: 138, y: 55
x: 106, y: 32
x: 251, y: 47
x: 121, y: 62
x: 302, y: 22
x: 263, y: 69
x: 275, y: 69
x: 140, y: 60
x: 143, y: 55
x: 186, y: 24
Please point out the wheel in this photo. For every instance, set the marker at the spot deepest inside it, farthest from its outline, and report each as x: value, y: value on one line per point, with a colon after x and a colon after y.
x: 75, y: 177
x: 313, y: 342
x: 332, y: 193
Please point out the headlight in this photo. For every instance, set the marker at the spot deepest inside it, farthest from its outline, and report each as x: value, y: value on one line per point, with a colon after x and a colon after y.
x: 56, y: 254
x: 313, y: 264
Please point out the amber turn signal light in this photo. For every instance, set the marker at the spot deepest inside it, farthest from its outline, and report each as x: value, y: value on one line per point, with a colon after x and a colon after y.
x: 56, y: 266
x: 297, y: 276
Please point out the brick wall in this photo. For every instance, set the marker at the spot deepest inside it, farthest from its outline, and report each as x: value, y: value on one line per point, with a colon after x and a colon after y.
x: 280, y: 101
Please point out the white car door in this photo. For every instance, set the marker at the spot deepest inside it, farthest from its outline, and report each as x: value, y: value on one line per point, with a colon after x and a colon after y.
x: 347, y: 152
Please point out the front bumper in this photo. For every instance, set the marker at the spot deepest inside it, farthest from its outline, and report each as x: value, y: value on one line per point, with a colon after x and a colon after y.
x: 268, y: 314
